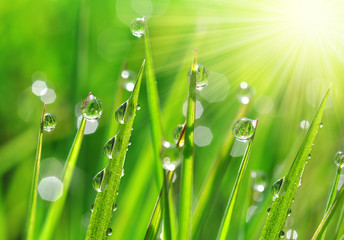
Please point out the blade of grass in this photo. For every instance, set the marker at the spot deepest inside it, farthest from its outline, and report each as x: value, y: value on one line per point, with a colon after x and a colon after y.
x: 154, y: 223
x: 56, y: 207
x: 329, y: 214
x: 332, y: 196
x: 187, y: 164
x: 103, y: 205
x: 3, y: 225
x: 154, y: 107
x: 280, y: 207
x: 226, y: 221
x: 35, y: 178
x: 167, y: 233
x: 215, y: 176
x: 340, y: 225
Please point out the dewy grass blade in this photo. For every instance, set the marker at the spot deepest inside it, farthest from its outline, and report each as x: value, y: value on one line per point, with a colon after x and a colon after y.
x: 56, y: 207
x: 105, y: 200
x: 280, y: 207
x: 329, y: 214
x: 33, y: 199
x: 226, y: 221
x: 167, y: 233
x: 332, y: 195
x: 215, y: 176
x: 187, y: 164
x: 154, y: 107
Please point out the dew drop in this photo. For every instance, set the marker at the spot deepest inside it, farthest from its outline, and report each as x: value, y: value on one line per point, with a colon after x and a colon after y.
x: 177, y: 132
x: 321, y: 125
x: 245, y: 93
x: 137, y: 27
x: 244, y: 129
x: 123, y: 173
x: 111, y: 147
x: 98, y: 184
x: 91, y: 208
x: 281, y: 234
x: 91, y: 108
x: 114, y: 207
x: 289, y: 212
x: 123, y: 113
x: 201, y: 76
x: 49, y: 122
x: 268, y: 210
x: 138, y: 107
x: 309, y: 156
x: 170, y: 156
x: 258, y: 181
x: 109, y: 232
x: 339, y: 159
x: 276, y: 187
x: 291, y: 234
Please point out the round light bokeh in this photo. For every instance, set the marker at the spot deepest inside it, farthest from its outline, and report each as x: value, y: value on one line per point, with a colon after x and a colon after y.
x: 217, y: 88
x: 49, y: 97
x: 203, y: 136
x: 50, y: 188
x: 91, y: 125
x: 199, y: 109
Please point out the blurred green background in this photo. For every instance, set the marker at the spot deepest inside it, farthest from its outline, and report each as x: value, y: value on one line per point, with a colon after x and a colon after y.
x: 81, y: 46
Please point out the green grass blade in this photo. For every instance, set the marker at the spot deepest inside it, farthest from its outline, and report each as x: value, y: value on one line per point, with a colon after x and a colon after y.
x: 340, y: 225
x: 329, y: 214
x: 280, y: 207
x: 103, y: 205
x: 154, y: 108
x: 226, y: 221
x: 56, y: 207
x: 187, y: 164
x: 167, y: 232
x: 332, y: 195
x: 35, y: 178
x: 215, y: 176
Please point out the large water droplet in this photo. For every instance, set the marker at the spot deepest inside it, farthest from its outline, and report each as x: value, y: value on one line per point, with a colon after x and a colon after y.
x: 111, y: 147
x: 291, y: 234
x: 339, y: 159
x: 124, y: 112
x: 258, y: 181
x: 138, y: 27
x: 245, y: 93
x: 49, y: 122
x: 91, y: 108
x: 201, y: 76
x: 109, y: 232
x: 170, y: 156
x: 281, y: 234
x: 98, y: 181
x: 129, y: 80
x: 244, y: 129
x: 276, y: 187
x: 177, y: 132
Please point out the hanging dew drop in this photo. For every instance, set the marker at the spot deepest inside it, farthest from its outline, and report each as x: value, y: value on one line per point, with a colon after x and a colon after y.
x: 339, y: 159
x: 114, y: 207
x: 268, y: 210
x: 170, y: 156
x: 177, y: 132
x: 276, y: 187
x: 245, y: 93
x: 123, y: 113
x: 138, y: 107
x: 91, y: 108
x: 109, y: 232
x: 309, y: 156
x: 281, y: 234
x: 289, y: 212
x: 50, y: 122
x: 98, y: 181
x: 202, y: 76
x: 321, y: 125
x: 111, y: 147
x: 244, y: 129
x: 91, y: 208
x: 138, y: 27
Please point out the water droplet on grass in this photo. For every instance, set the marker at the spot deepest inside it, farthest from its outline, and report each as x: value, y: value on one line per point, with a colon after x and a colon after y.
x: 114, y: 207
x: 170, y: 156
x: 39, y: 88
x: 138, y: 107
x: 91, y: 108
x: 244, y: 129
x: 321, y: 125
x: 276, y: 187
x: 109, y: 232
x: 289, y: 212
x: 111, y: 147
x: 268, y: 210
x: 245, y: 93
x: 91, y: 208
x: 291, y: 234
x: 258, y: 181
x: 339, y: 159
x: 138, y: 27
x: 177, y: 132
x: 98, y: 183
x: 201, y: 76
x: 49, y: 122
x: 123, y: 113
x: 281, y: 234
